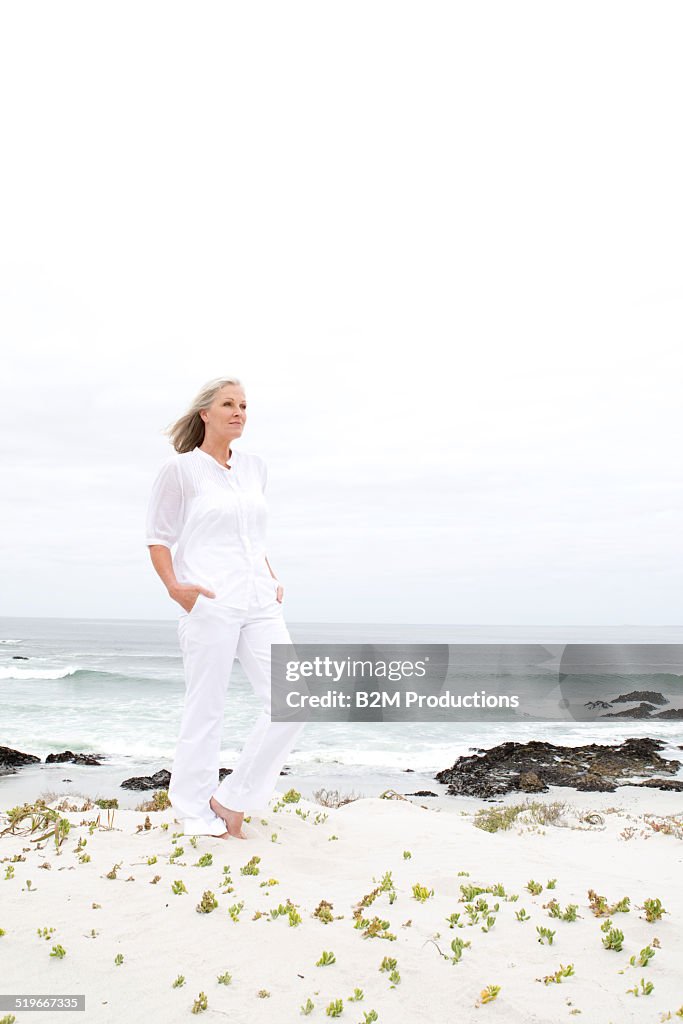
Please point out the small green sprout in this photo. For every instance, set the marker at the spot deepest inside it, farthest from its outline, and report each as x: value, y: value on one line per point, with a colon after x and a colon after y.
x: 644, y: 957
x: 555, y: 910
x: 357, y: 996
x: 551, y: 883
x: 545, y: 933
x: 457, y: 945
x: 250, y: 868
x: 324, y: 912
x: 59, y: 952
x: 293, y: 915
x: 335, y: 1008
x: 151, y: 860
x: 9, y: 872
x: 208, y: 903
x: 308, y: 1007
x: 224, y: 979
x: 601, y: 907
x: 235, y: 910
x: 407, y: 855
x: 556, y: 978
x: 453, y: 920
x: 388, y: 964
x: 179, y: 982
x: 291, y: 796
x: 421, y: 893
x: 118, y: 959
x: 193, y: 842
x: 370, y: 1017
x: 205, y: 861
x: 178, y: 887
x: 200, y: 1003
x: 522, y: 915
x: 326, y: 958
x: 646, y: 987
x: 653, y: 910
x: 614, y: 940
x: 534, y: 887
x: 490, y: 993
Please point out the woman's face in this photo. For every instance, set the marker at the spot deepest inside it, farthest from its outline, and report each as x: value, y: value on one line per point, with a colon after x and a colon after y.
x: 224, y: 419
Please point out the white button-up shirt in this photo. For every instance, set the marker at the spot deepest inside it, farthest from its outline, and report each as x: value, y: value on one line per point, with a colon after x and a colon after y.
x: 217, y: 517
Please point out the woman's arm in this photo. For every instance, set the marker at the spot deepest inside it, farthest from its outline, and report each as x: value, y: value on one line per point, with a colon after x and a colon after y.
x: 184, y: 593
x: 280, y: 589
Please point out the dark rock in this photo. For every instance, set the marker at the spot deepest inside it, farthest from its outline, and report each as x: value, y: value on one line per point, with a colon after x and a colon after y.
x: 160, y: 780
x: 529, y: 782
x: 593, y: 767
x: 650, y: 695
x: 675, y: 785
x: 408, y: 769
x: 19, y: 657
x: 10, y: 758
x: 642, y: 711
x: 68, y: 755
x: 676, y: 713
x: 422, y: 792
x: 591, y: 782
x: 592, y: 704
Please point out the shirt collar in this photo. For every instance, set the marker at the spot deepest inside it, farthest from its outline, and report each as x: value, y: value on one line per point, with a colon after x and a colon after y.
x: 206, y: 455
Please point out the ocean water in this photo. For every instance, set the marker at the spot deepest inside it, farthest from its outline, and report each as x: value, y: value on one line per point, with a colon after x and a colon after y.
x: 115, y: 688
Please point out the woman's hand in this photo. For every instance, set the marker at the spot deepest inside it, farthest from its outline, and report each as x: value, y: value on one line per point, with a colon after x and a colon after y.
x: 280, y: 592
x: 186, y: 594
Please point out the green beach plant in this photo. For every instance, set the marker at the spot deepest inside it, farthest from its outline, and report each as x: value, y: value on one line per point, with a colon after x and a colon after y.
x: 178, y: 887
x: 308, y: 1007
x: 235, y: 910
x: 335, y: 1008
x: 179, y: 982
x: 653, y: 910
x: 326, y: 959
x: 208, y: 903
x: 545, y: 935
x: 224, y: 979
x: 58, y: 952
x: 200, y: 1004
x: 614, y: 939
x: 251, y: 868
x: 556, y: 978
x: 646, y: 988
x: 421, y: 893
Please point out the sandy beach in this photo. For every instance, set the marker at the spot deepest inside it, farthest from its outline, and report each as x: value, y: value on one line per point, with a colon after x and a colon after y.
x: 430, y: 916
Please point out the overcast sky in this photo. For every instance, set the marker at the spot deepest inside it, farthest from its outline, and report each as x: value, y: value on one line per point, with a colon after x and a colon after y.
x: 440, y: 244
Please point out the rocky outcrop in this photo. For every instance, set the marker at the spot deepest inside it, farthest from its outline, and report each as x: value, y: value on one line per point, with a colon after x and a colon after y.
x: 11, y: 759
x: 68, y: 755
x: 593, y: 767
x: 650, y: 695
x: 642, y: 711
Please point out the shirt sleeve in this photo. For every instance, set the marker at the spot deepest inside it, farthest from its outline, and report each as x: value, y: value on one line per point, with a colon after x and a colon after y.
x: 165, y: 508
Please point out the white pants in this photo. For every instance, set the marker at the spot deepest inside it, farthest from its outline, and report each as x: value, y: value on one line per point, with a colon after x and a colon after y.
x: 210, y: 637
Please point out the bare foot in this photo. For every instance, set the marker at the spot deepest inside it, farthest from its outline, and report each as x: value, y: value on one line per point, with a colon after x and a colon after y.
x: 232, y: 819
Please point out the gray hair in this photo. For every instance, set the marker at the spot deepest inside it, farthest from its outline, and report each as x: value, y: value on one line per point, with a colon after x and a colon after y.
x: 187, y: 432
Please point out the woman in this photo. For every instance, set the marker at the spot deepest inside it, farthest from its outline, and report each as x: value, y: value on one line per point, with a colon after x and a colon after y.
x: 208, y: 499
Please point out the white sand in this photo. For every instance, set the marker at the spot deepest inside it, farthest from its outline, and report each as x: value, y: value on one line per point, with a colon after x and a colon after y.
x: 161, y: 935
